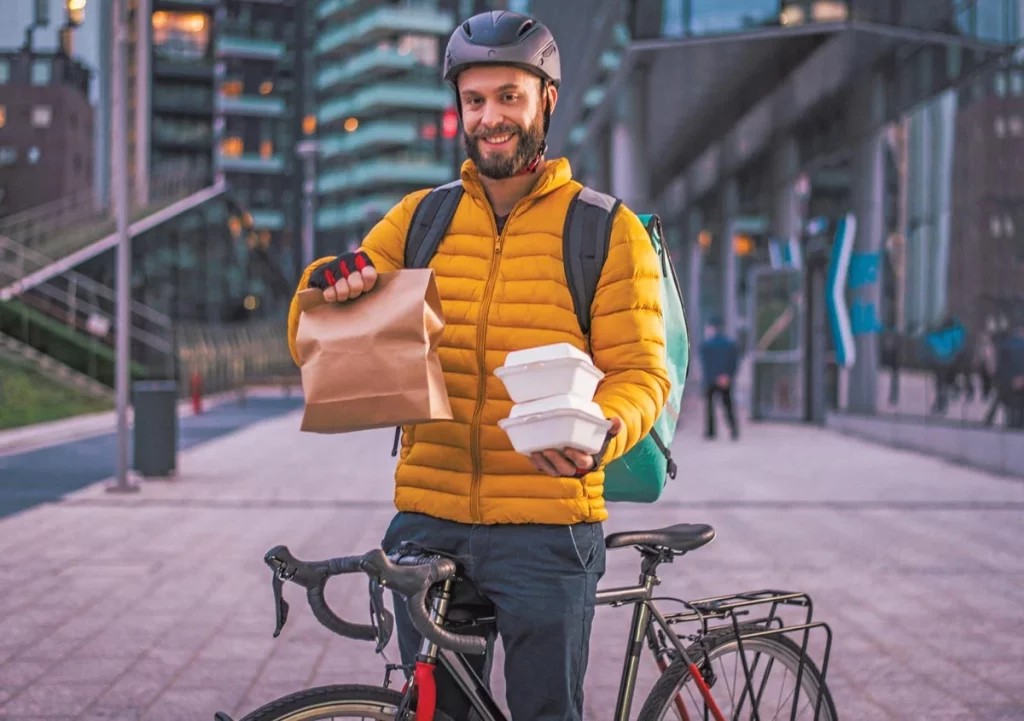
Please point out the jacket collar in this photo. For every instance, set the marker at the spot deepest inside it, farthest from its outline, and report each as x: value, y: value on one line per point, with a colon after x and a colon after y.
x: 556, y: 173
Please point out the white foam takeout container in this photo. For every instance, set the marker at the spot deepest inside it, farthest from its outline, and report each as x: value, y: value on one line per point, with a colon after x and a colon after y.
x: 549, y: 370
x: 560, y: 421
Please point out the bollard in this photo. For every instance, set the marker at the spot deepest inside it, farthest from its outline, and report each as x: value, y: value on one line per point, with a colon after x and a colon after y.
x: 197, y: 393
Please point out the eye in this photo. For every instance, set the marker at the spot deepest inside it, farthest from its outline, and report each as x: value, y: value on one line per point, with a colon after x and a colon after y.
x: 510, y: 97
x: 472, y: 101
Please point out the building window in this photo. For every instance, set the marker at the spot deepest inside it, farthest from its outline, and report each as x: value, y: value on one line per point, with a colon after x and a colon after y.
x: 3, y: 115
x: 5, y: 71
x: 34, y: 154
x: 41, y: 71
x: 231, y: 88
x: 8, y: 155
x: 232, y: 147
x: 42, y: 116
x: 266, y: 149
x: 266, y: 87
x: 424, y: 48
x: 181, y: 35
x: 309, y: 124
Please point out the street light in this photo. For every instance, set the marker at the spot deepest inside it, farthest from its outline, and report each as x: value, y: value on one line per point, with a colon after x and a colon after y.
x: 119, y: 189
x: 308, y: 151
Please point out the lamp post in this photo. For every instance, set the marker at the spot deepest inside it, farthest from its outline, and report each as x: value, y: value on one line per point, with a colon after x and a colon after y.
x: 308, y: 151
x: 119, y: 189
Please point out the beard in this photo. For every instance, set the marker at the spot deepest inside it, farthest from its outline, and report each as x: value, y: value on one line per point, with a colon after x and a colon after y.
x: 502, y: 165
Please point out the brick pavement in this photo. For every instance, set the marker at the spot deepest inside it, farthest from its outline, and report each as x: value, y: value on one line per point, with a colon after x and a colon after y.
x: 158, y: 606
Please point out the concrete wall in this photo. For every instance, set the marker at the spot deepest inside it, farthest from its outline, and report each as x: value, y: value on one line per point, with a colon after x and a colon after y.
x: 988, y: 449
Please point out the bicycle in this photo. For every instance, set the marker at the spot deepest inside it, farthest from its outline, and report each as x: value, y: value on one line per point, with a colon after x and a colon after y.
x: 454, y: 623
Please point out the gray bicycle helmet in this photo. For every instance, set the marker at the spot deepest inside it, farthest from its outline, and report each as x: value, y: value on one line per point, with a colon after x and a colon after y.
x: 500, y: 37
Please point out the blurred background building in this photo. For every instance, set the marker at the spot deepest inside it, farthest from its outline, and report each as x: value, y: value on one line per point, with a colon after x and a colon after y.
x: 769, y: 135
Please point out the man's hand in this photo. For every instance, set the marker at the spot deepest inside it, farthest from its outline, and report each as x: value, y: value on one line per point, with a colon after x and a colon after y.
x: 347, y: 276
x: 568, y: 462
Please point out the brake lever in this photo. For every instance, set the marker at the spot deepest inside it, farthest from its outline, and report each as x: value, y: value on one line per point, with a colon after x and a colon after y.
x: 280, y: 605
x: 381, y: 616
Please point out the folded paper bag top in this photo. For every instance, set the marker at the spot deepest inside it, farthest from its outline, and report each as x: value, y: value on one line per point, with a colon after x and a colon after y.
x: 372, y: 362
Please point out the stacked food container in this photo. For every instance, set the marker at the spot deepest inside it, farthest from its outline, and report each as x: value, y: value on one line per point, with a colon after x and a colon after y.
x: 553, y: 389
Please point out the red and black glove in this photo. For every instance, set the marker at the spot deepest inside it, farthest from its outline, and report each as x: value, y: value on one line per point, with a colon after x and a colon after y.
x: 341, y: 267
x: 598, y: 458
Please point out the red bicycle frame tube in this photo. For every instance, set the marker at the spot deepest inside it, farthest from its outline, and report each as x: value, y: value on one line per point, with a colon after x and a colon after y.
x: 426, y: 691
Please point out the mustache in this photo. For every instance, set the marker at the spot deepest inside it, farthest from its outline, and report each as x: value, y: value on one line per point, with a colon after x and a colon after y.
x: 496, y: 132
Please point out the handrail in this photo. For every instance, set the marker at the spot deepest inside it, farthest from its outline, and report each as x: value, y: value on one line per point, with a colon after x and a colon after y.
x: 74, y: 215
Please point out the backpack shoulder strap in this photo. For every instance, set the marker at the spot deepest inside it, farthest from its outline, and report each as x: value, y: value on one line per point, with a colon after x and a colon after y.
x: 585, y: 240
x: 430, y: 222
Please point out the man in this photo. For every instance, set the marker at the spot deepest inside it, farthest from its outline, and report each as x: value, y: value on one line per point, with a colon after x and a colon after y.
x: 1011, y: 373
x: 718, y: 359
x: 529, y: 529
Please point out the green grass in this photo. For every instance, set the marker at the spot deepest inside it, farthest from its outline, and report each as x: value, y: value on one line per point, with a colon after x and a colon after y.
x: 27, y: 396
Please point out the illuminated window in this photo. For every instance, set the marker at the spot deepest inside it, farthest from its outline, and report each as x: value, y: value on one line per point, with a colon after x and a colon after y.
x: 742, y: 245
x: 309, y: 124
x: 704, y: 239
x: 42, y: 116
x: 3, y: 116
x: 264, y: 238
x: 351, y: 124
x: 76, y: 11
x: 180, y: 35
x: 266, y: 87
x: 231, y: 88
x: 830, y: 11
x: 231, y: 147
x: 266, y: 149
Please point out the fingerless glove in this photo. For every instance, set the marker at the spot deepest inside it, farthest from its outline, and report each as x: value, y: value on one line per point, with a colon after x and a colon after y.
x: 341, y: 267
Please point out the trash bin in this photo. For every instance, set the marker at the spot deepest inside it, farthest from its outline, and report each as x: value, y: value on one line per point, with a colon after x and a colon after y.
x: 155, y: 433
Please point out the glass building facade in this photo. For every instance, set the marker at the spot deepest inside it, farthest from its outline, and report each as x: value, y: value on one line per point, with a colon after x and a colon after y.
x: 385, y: 121
x: 258, y: 115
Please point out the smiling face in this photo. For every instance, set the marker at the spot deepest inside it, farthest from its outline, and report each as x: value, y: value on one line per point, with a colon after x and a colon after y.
x: 503, y: 118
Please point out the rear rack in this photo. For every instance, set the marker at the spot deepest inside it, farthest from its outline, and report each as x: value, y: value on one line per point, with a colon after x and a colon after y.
x: 731, y: 607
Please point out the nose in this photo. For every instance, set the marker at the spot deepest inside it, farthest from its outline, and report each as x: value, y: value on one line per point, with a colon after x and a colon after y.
x: 491, y: 116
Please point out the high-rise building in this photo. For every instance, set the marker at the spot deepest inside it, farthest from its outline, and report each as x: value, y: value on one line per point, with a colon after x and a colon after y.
x: 45, y: 129
x: 385, y: 122
x: 258, y: 112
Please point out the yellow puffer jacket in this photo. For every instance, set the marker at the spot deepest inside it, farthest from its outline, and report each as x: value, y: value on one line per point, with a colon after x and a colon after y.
x: 506, y: 292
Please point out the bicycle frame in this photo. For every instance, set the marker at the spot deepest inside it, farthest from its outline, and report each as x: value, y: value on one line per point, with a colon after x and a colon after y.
x: 641, y: 628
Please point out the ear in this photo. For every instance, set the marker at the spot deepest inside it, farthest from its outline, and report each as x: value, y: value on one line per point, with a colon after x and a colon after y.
x: 552, y: 96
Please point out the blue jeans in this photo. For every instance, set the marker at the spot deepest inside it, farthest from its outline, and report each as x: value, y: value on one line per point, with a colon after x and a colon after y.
x: 542, y: 581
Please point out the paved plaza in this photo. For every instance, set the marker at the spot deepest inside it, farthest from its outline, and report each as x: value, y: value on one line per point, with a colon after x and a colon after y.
x: 158, y: 606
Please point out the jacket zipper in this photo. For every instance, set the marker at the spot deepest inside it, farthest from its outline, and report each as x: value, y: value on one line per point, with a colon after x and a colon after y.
x: 481, y: 358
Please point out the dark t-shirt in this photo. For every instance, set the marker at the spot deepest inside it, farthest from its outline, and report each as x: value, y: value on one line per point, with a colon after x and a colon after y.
x: 500, y: 222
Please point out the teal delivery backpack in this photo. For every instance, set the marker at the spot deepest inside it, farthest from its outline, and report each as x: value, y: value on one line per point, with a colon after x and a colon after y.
x: 640, y: 475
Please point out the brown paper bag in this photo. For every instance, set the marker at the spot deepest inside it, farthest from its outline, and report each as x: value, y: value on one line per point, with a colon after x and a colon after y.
x: 372, y: 362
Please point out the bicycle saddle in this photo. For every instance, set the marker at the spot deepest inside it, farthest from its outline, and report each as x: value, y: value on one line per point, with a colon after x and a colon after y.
x: 682, y: 537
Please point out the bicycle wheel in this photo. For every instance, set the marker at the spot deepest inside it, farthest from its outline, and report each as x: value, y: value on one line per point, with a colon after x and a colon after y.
x: 764, y: 656
x: 336, y: 702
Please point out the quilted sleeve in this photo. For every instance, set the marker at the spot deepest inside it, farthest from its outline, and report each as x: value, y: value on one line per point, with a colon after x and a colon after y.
x: 627, y: 334
x: 385, y: 245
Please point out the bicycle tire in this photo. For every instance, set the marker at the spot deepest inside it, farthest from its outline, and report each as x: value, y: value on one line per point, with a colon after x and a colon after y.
x: 328, y: 701
x: 659, y: 701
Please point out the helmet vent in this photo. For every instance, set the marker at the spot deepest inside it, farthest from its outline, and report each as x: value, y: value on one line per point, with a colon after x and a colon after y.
x: 525, y: 28
x: 467, y: 29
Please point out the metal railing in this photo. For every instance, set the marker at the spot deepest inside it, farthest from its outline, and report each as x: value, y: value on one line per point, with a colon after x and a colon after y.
x: 55, y: 230
x: 87, y: 306
x: 227, y: 357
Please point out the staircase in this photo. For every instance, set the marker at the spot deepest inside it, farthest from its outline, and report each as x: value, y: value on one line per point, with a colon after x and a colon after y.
x: 65, y: 375
x: 49, y: 240
x: 49, y: 310
x: 73, y: 318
